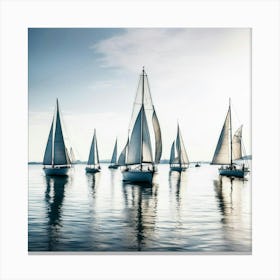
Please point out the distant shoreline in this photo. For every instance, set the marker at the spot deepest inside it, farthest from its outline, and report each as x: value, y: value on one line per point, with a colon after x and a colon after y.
x: 164, y: 161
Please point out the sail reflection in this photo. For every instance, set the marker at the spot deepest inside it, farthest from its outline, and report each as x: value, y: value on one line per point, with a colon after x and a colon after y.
x: 140, y: 213
x: 54, y: 196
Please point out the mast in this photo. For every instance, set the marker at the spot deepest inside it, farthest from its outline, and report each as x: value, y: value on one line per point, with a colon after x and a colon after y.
x: 230, y: 125
x: 54, y: 123
x: 142, y: 107
x: 55, y: 117
x: 179, y: 150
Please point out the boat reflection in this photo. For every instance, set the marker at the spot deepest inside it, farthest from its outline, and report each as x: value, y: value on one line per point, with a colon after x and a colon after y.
x: 54, y: 196
x: 230, y: 203
x: 177, y: 182
x: 93, y: 182
x: 112, y: 180
x: 140, y: 214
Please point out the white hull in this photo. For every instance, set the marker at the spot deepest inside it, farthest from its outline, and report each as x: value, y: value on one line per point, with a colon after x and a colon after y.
x: 239, y: 173
x: 138, y: 176
x: 92, y: 170
x: 56, y: 171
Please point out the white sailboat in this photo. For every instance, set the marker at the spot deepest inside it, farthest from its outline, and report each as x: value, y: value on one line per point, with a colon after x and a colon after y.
x: 93, y: 165
x: 180, y: 161
x: 229, y: 150
x: 113, y: 163
x: 137, y: 156
x: 57, y: 159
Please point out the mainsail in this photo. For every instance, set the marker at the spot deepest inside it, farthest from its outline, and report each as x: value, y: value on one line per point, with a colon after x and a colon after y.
x: 56, y: 152
x: 222, y: 152
x: 122, y: 157
x: 237, y: 144
x: 144, y: 118
x: 139, y: 147
x: 114, y: 155
x: 61, y: 156
x: 93, y: 158
x: 158, y: 142
x: 172, y: 153
x: 181, y: 150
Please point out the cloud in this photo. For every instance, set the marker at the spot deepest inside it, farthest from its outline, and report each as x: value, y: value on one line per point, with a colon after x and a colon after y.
x: 192, y: 73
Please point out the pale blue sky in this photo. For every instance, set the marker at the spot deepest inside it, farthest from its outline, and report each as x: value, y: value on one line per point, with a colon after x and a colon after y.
x: 94, y: 73
x: 62, y: 64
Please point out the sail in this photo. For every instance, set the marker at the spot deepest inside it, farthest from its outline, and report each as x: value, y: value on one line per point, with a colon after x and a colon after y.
x: 93, y: 157
x: 114, y: 155
x: 139, y: 148
x: 49, y: 148
x: 157, y: 131
x: 61, y: 156
x: 122, y: 157
x: 237, y: 144
x: 143, y: 96
x: 222, y: 154
x: 72, y: 155
x: 96, y: 151
x: 181, y: 150
x: 172, y: 153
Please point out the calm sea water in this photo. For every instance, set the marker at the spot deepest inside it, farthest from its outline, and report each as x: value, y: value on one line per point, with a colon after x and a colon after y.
x: 194, y: 212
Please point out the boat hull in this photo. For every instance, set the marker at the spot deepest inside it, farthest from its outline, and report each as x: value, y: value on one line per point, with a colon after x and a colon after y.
x: 239, y: 173
x: 178, y: 169
x: 113, y: 166
x: 92, y: 170
x: 138, y: 176
x: 55, y: 171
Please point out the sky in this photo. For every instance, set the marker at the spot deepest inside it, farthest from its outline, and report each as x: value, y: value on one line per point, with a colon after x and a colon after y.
x: 94, y: 73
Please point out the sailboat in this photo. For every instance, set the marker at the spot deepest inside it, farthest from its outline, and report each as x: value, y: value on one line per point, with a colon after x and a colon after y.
x: 179, y: 162
x: 113, y: 163
x: 229, y: 150
x: 93, y: 165
x: 57, y: 158
x: 137, y: 156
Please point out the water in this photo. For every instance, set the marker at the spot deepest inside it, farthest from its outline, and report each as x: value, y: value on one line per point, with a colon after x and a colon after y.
x: 194, y: 212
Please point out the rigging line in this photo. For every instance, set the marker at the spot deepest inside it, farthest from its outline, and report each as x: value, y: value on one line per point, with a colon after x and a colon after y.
x: 236, y: 115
